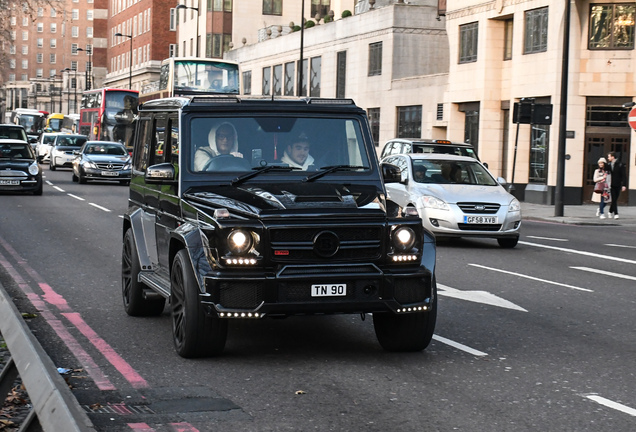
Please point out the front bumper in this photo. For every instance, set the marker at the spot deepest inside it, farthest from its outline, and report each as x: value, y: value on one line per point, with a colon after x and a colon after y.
x: 26, y: 183
x: 254, y: 294
x: 92, y: 173
x: 451, y: 223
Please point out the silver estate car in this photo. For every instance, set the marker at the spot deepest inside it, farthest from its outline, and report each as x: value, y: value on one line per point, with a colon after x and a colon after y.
x: 456, y: 196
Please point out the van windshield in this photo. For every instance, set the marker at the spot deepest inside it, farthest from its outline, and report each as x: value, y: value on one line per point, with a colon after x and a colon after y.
x: 241, y: 144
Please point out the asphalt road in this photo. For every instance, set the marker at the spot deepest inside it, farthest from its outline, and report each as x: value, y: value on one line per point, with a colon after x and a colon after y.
x: 540, y: 337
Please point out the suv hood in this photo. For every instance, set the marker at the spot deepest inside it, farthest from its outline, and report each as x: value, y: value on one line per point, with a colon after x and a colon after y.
x: 274, y: 199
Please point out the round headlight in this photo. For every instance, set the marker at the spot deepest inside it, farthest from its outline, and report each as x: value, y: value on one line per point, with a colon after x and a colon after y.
x: 34, y: 168
x: 403, y: 239
x: 239, y: 241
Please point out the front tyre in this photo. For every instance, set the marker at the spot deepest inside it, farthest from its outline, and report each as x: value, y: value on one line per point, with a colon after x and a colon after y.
x: 135, y: 304
x: 408, y: 332
x: 508, y: 242
x: 193, y: 332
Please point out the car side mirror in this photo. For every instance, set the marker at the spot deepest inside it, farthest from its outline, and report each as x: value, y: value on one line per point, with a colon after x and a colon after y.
x: 390, y: 173
x: 502, y: 181
x: 163, y: 173
x: 33, y: 140
x: 76, y: 152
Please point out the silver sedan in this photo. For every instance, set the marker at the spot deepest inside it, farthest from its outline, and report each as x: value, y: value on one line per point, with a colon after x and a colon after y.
x: 456, y: 196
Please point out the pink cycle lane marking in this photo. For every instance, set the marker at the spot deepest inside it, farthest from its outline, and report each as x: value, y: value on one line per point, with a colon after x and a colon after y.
x: 57, y: 300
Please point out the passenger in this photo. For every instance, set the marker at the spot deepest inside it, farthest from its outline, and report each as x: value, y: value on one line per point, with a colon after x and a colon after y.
x: 222, y: 140
x: 419, y: 174
x: 297, y: 153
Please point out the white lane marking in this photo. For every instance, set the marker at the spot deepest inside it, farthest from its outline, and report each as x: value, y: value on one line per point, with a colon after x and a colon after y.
x: 76, y: 197
x: 603, y: 272
x: 548, y: 238
x: 607, y: 257
x: 620, y: 246
x: 611, y: 404
x: 459, y: 346
x: 48, y: 183
x: 532, y: 278
x: 121, y: 216
x: 59, y: 188
x: 478, y: 297
x: 99, y: 207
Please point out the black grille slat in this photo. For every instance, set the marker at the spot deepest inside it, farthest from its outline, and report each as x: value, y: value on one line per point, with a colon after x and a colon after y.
x: 470, y: 208
x: 240, y: 295
x: 109, y: 166
x: 479, y: 227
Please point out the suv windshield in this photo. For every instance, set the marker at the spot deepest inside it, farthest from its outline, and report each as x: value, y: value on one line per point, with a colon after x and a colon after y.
x: 242, y: 144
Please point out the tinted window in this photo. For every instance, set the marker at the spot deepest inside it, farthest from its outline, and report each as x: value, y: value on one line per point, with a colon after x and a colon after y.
x: 453, y: 172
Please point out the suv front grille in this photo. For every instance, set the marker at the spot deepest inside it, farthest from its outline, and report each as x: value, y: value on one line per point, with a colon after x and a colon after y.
x: 300, y: 244
x: 482, y: 208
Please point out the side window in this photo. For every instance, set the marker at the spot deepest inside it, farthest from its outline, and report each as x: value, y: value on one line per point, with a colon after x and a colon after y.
x: 159, y: 150
x: 173, y: 152
x: 142, y: 143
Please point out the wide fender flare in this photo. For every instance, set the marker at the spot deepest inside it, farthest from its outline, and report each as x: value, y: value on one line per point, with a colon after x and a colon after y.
x: 134, y: 220
x: 190, y: 237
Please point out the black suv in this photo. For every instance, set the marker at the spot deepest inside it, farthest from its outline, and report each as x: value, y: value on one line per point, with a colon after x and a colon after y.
x: 230, y: 218
x: 402, y: 146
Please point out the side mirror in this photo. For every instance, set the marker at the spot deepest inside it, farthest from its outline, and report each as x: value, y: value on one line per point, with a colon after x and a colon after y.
x: 163, y: 173
x: 390, y: 173
x: 76, y: 152
x: 502, y: 181
x: 33, y: 140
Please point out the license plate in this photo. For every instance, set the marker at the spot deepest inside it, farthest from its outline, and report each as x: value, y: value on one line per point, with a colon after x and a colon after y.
x: 10, y: 182
x: 329, y: 290
x: 110, y: 173
x: 480, y: 219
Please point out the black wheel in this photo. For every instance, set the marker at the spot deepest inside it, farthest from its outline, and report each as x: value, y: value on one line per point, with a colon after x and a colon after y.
x: 124, y: 182
x: 81, y: 179
x: 194, y: 334
x: 51, y: 165
x: 38, y: 191
x: 508, y: 242
x: 408, y: 332
x: 132, y: 290
x: 74, y: 178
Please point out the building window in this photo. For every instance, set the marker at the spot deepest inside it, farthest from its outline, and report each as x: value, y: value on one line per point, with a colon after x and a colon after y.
x: 12, y: 76
x: 25, y: 35
x: 227, y: 38
x: 40, y: 42
x: 440, y: 112
x: 25, y: 49
x: 13, y: 35
x: 12, y: 63
x: 74, y: 49
x: 25, y: 64
x: 314, y: 77
x: 75, y: 14
x: 74, y: 65
x: 272, y: 7
x: 320, y: 7
x: 52, y: 58
x: 39, y: 73
x: 508, y: 27
x: 173, y: 19
x: 216, y: 45
x: 53, y: 13
x: 374, y: 122
x: 612, y: 26
x: 341, y: 73
x: 539, y: 139
x: 39, y: 58
x: 277, y: 80
x: 89, y: 15
x: 303, y: 82
x: 536, y: 31
x: 25, y: 21
x: 89, y: 32
x: 409, y: 121
x: 172, y: 50
x: 375, y: 58
x: 40, y: 12
x: 53, y: 28
x: 267, y: 75
x: 40, y: 27
x: 227, y: 5
x: 247, y: 82
x: 218, y: 5
x: 289, y: 78
x: 468, y: 38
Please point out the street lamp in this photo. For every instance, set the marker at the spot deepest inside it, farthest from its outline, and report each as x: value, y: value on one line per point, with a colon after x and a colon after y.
x: 68, y: 92
x: 131, y: 50
x: 88, y: 80
x: 182, y: 6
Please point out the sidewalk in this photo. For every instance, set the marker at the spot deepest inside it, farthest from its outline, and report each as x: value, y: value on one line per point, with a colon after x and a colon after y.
x: 584, y: 214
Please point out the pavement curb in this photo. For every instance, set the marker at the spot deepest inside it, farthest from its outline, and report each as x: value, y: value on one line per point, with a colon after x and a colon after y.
x: 56, y: 408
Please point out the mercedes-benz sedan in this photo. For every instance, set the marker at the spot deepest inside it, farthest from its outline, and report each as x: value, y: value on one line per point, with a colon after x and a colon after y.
x: 102, y: 160
x: 456, y: 196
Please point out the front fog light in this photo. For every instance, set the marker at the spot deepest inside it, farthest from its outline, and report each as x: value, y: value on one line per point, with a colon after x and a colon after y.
x: 33, y: 168
x: 403, y: 238
x: 239, y: 241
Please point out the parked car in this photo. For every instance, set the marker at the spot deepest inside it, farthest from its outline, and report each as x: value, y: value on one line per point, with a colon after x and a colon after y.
x: 19, y: 169
x: 401, y: 146
x: 246, y: 233
x: 43, y: 146
x: 456, y: 196
x: 101, y: 160
x: 62, y: 150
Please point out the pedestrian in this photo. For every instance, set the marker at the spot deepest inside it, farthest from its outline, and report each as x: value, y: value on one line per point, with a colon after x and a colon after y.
x: 618, y: 184
x: 602, y: 180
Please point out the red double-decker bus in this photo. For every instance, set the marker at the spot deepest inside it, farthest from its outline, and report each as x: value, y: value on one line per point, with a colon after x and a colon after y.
x: 107, y: 114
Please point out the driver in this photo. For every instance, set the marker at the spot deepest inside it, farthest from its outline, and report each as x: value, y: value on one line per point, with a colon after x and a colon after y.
x: 222, y: 140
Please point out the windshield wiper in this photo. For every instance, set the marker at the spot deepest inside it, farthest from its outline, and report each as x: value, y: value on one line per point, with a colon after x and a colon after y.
x: 261, y: 170
x: 329, y: 169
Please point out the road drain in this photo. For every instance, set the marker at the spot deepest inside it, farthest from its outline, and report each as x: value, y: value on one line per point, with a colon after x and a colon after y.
x: 121, y: 409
